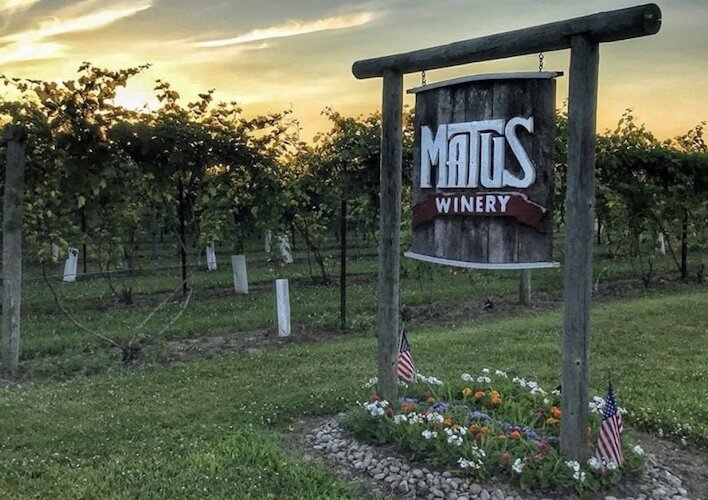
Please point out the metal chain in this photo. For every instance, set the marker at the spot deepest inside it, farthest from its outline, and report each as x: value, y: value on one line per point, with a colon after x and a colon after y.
x: 422, y: 77
x: 540, y: 61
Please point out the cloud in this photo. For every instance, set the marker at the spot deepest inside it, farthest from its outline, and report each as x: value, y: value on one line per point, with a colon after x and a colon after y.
x: 28, y: 51
x: 292, y: 28
x: 86, y: 22
x: 12, y: 6
x: 83, y: 16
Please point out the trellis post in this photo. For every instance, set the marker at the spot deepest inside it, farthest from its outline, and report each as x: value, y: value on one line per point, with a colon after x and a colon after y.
x: 15, y: 137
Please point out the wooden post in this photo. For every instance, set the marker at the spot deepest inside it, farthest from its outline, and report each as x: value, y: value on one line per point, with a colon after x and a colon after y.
x: 238, y: 264
x: 579, y: 203
x: 343, y: 263
x: 389, y: 236
x: 525, y: 287
x: 282, y: 306
x: 15, y: 138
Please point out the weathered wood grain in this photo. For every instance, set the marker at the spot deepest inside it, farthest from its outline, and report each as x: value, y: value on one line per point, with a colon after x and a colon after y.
x: 579, y: 214
x: 389, y: 238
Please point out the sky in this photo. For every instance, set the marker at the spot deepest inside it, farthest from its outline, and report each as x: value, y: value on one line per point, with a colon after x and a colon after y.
x: 274, y: 55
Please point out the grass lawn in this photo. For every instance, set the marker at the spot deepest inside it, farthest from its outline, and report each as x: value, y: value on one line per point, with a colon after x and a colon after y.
x: 212, y: 428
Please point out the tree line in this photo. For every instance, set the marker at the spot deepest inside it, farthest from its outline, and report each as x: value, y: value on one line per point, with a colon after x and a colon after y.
x: 100, y: 175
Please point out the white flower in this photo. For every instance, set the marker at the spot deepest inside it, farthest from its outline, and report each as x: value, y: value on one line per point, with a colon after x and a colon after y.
x: 456, y: 440
x: 546, y: 401
x: 484, y: 380
x: 485, y: 370
x: 660, y: 432
x: 435, y: 417
x: 397, y: 419
x: 594, y: 463
x: 414, y: 418
x: 429, y: 434
x: 501, y: 373
x: 376, y: 409
x: 428, y: 380
x: 638, y: 450
x: 466, y: 377
x: 469, y: 464
x: 517, y: 466
x: 579, y: 476
x: 572, y: 464
x: 611, y: 465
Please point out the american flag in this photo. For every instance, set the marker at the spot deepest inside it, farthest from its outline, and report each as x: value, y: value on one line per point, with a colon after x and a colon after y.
x: 608, y: 443
x: 406, y: 367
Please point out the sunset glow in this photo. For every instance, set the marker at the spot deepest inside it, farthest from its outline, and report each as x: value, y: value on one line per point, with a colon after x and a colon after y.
x: 272, y: 56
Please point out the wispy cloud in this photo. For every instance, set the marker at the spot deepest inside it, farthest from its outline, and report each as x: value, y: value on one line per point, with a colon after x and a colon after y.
x: 12, y: 6
x: 292, y: 28
x: 28, y: 51
x: 34, y: 43
x: 90, y: 21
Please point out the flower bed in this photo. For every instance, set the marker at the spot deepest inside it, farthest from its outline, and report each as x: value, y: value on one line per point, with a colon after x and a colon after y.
x: 489, y: 425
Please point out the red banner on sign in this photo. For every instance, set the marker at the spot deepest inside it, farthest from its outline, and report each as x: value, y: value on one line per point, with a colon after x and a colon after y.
x: 515, y: 205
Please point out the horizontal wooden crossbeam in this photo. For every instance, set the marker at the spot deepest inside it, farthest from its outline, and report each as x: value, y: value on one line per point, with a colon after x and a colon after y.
x: 609, y: 26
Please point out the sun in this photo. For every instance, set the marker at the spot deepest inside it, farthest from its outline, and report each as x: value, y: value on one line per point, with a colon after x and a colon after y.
x: 136, y: 99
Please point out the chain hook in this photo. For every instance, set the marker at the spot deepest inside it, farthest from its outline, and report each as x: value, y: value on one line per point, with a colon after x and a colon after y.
x: 540, y: 61
x: 422, y: 78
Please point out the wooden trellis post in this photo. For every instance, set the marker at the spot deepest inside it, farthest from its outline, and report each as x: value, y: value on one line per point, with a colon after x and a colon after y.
x: 582, y: 36
x: 15, y: 138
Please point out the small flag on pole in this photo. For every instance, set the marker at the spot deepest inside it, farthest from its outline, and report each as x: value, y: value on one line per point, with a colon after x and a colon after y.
x: 406, y: 367
x: 609, y: 447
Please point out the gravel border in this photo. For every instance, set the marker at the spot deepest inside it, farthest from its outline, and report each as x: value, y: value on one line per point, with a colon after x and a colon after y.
x: 380, y: 470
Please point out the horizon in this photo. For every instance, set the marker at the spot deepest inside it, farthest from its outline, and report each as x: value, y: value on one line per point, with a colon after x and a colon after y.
x: 276, y: 56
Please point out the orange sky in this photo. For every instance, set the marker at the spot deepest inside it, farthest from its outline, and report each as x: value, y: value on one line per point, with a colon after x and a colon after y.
x: 271, y: 55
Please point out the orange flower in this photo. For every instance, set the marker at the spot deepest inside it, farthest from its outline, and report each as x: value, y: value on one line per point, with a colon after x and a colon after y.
x: 447, y: 421
x: 515, y: 435
x: 479, y: 394
x: 501, y: 437
x: 555, y: 412
x: 484, y: 429
x: 552, y: 421
x: 407, y: 407
x: 495, y: 394
x: 474, y: 428
x: 466, y: 391
x: 496, y: 401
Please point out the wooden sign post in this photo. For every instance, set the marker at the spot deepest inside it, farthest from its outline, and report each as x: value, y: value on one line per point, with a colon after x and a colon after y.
x: 582, y: 36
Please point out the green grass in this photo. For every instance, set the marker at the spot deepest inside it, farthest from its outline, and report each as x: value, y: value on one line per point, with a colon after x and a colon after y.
x: 53, y: 346
x: 174, y: 431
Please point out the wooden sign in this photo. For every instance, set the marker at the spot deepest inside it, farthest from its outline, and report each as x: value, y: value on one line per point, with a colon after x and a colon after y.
x: 483, y: 171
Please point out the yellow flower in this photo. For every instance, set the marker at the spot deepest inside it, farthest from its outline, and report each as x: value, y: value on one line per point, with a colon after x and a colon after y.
x: 496, y: 401
x: 431, y: 400
x: 501, y: 437
x: 466, y: 391
x: 552, y: 421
